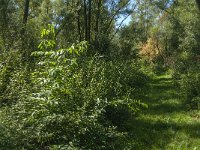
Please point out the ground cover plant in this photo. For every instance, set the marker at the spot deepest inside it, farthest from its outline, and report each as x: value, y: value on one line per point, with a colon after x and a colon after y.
x: 102, y: 75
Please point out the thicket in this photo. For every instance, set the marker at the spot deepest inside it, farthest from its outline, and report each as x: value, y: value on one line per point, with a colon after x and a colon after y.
x: 58, y: 95
x: 68, y: 101
x: 186, y: 65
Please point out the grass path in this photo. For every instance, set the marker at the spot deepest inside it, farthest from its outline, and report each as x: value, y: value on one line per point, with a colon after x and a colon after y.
x: 166, y: 124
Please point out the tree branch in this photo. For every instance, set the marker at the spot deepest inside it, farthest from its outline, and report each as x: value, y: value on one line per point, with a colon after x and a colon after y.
x: 113, y: 16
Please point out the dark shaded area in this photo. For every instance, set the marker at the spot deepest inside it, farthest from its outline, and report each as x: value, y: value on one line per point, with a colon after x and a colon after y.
x: 198, y: 3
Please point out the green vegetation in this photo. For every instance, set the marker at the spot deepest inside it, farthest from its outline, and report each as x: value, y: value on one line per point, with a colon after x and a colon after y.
x: 74, y: 74
x: 166, y: 124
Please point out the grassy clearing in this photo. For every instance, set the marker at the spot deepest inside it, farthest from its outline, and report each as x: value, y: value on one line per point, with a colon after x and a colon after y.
x: 165, y: 124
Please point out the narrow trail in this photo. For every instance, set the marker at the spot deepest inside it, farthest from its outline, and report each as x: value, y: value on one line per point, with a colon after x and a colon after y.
x: 166, y: 124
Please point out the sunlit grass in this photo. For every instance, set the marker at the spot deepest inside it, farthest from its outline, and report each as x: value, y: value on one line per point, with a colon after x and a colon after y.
x: 166, y: 124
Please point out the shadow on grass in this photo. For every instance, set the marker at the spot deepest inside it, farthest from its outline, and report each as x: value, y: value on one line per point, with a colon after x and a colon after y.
x: 163, y: 98
x: 166, y: 108
x: 149, y: 135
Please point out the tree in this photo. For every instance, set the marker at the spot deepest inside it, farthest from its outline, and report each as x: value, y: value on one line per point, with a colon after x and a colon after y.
x: 198, y: 3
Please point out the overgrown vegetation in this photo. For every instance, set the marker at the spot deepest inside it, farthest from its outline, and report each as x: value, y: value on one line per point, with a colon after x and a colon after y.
x: 76, y: 74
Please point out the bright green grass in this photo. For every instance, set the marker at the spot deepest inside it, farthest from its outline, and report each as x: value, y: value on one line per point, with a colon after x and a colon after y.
x: 166, y: 124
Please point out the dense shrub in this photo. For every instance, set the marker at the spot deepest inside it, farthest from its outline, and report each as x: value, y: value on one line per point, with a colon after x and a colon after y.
x: 13, y: 78
x: 119, y: 82
x: 72, y: 101
x: 191, y: 86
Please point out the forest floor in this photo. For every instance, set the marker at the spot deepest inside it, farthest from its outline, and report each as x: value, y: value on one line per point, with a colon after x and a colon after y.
x: 166, y: 124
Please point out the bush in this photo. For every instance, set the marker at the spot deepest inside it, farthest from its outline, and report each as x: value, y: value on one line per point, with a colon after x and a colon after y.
x: 13, y: 78
x: 72, y: 100
x: 120, y: 82
x: 191, y: 86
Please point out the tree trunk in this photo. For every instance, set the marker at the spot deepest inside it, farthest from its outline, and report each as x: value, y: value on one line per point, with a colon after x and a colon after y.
x: 26, y: 10
x: 25, y: 17
x: 198, y: 4
x: 79, y: 27
x: 97, y: 19
x: 89, y: 20
x: 25, y: 54
x: 85, y: 20
x: 98, y: 13
x: 79, y: 23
